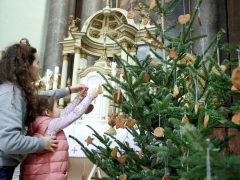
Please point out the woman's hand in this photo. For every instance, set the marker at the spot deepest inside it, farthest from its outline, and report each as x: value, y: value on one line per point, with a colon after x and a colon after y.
x: 79, y: 88
x: 50, y: 143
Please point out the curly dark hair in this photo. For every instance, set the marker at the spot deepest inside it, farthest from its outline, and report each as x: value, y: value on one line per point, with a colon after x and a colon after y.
x: 15, y: 68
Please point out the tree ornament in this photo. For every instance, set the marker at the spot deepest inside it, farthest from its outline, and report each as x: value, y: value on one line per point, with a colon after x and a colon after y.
x: 111, y: 118
x: 187, y: 59
x: 215, y: 71
x: 122, y: 159
x: 84, y: 177
x: 173, y: 54
x: 158, y: 44
x: 236, y: 118
x: 120, y: 122
x: 89, y: 140
x: 123, y: 177
x: 159, y: 132
x: 111, y: 131
x: 184, y: 19
x: 117, y: 97
x: 202, y: 81
x: 154, y: 61
x: 166, y: 177
x: 236, y: 78
x: 196, y: 108
x: 114, y: 153
x: 185, y: 119
x: 199, y: 20
x: 206, y: 120
x: 130, y: 123
x: 182, y: 149
x: 146, y: 78
x: 89, y: 109
x: 153, y: 4
x: 175, y: 90
x: 140, y: 154
x: 147, y: 36
x: 100, y: 90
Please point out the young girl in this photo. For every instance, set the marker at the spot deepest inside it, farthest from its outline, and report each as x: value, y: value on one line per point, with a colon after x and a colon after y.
x: 53, y: 165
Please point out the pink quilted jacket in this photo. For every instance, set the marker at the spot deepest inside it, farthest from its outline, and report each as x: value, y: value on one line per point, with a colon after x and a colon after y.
x: 46, y: 165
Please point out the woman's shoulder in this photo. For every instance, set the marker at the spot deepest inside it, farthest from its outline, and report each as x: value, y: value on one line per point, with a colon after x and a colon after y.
x: 8, y: 90
x: 9, y: 87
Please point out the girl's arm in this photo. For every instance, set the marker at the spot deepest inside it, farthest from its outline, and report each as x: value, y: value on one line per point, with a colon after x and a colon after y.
x: 70, y: 107
x: 60, y: 123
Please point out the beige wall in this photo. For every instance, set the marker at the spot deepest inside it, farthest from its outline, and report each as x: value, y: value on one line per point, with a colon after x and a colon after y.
x: 79, y: 167
x: 23, y: 18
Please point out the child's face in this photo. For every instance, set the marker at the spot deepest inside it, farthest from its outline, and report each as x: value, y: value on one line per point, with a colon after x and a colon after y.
x: 55, y: 113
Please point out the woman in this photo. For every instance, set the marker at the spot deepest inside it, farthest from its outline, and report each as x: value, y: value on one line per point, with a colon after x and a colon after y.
x: 19, y: 68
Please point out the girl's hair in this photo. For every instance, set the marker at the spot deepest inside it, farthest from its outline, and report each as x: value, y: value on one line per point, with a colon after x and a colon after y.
x: 44, y: 103
x: 15, y: 68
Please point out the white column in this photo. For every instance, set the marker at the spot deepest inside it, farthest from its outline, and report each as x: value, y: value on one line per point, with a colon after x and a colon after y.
x: 76, y: 66
x: 64, y: 76
x: 123, y: 54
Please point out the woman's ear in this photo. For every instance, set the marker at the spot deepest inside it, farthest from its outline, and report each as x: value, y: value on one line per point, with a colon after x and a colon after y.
x: 47, y: 112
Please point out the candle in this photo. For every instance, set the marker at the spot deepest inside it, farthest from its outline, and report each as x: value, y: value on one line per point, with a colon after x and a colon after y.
x: 55, y: 77
x: 218, y: 56
x: 238, y: 51
x: 114, y: 65
x: 47, y: 79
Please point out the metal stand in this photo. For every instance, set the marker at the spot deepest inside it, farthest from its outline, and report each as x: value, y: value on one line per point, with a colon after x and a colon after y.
x: 95, y: 168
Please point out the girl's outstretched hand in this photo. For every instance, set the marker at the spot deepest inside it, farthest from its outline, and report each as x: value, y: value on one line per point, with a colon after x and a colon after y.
x: 83, y: 92
x: 93, y: 92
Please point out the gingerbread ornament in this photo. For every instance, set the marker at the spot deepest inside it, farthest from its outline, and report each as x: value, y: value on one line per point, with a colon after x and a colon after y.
x: 236, y: 78
x: 184, y: 19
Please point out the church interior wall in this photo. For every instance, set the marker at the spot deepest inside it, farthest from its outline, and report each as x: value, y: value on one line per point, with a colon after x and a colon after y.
x: 23, y: 18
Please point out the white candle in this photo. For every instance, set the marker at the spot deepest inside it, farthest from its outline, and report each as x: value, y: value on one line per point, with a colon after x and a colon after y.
x: 238, y: 51
x: 47, y: 79
x: 55, y: 77
x: 218, y: 56
x: 114, y: 66
x: 56, y: 70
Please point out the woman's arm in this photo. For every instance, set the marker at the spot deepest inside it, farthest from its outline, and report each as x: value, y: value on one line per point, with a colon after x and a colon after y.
x: 12, y: 112
x: 60, y: 93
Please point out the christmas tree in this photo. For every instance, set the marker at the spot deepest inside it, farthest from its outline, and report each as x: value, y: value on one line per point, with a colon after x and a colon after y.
x: 171, y: 105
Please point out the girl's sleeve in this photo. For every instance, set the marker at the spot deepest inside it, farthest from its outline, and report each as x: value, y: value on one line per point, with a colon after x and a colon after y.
x: 70, y: 107
x: 60, y: 123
